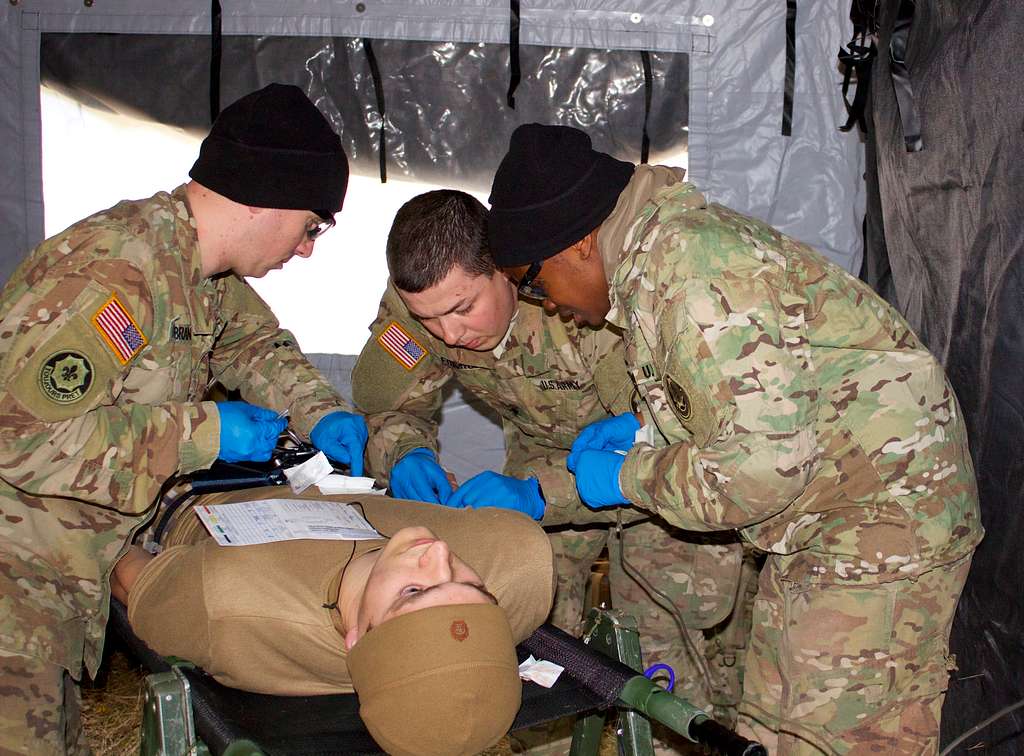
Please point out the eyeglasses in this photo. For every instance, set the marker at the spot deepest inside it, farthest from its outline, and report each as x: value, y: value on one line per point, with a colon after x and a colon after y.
x: 315, y: 232
x: 528, y: 287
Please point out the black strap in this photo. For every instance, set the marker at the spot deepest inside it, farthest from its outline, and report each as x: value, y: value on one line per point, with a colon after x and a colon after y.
x: 513, y: 52
x: 378, y: 88
x: 857, y: 58
x: 215, y: 54
x: 787, y: 95
x: 909, y: 117
x: 645, y: 142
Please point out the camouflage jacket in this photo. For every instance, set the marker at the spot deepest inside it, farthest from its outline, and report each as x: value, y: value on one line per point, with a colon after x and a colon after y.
x: 110, y: 338
x: 550, y: 381
x: 785, y: 398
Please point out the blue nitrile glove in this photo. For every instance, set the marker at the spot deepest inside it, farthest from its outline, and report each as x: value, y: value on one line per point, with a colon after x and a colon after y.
x: 342, y: 437
x: 597, y: 478
x: 489, y: 489
x: 418, y: 476
x: 609, y: 434
x: 248, y: 433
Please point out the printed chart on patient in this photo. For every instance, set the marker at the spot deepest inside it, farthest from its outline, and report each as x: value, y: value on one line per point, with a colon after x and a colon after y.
x: 246, y: 523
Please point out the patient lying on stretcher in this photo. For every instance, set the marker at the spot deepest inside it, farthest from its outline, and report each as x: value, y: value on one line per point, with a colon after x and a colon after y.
x: 421, y: 624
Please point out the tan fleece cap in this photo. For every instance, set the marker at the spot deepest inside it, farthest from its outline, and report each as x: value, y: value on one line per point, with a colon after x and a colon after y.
x: 442, y: 680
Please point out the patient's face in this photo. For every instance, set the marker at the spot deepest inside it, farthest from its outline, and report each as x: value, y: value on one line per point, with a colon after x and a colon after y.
x: 416, y: 570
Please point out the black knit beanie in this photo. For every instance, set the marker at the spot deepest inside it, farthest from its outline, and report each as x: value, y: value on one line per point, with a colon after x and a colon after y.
x: 551, y: 190
x: 274, y: 148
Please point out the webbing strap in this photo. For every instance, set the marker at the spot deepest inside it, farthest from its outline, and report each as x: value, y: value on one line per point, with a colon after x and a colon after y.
x: 910, y: 119
x: 787, y: 95
x: 215, y: 55
x: 645, y: 142
x: 601, y: 676
x: 857, y: 58
x: 378, y: 89
x: 513, y: 53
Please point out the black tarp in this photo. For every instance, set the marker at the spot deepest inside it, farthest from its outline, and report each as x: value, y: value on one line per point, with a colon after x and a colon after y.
x: 953, y: 221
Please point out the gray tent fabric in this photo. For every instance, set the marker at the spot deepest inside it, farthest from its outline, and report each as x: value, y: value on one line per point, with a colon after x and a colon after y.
x: 952, y: 215
x: 718, y: 82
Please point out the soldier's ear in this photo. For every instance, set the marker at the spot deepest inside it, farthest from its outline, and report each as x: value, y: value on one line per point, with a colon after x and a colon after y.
x: 586, y: 248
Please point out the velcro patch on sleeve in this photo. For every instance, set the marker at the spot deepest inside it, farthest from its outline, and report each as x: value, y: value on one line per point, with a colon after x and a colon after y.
x: 397, y: 342
x: 119, y: 330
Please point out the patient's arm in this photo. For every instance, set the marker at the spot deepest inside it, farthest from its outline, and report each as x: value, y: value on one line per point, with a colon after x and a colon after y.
x: 126, y: 572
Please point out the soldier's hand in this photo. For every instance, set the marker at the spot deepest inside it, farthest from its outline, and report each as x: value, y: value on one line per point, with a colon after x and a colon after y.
x: 610, y: 434
x: 342, y: 437
x: 248, y: 433
x: 418, y: 476
x: 597, y: 478
x: 489, y: 489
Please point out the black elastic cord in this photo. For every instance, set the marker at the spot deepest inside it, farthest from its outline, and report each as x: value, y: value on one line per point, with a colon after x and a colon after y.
x: 378, y: 88
x: 787, y: 95
x: 513, y: 53
x: 910, y: 119
x: 645, y: 143
x: 215, y: 54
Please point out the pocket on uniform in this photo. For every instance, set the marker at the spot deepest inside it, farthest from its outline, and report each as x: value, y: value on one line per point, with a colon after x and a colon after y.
x: 858, y: 654
x: 837, y: 659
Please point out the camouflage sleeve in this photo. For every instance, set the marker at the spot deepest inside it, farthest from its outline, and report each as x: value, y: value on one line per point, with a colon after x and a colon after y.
x: 264, y: 362
x: 399, y: 386
x: 525, y: 458
x: 738, y: 407
x: 64, y: 435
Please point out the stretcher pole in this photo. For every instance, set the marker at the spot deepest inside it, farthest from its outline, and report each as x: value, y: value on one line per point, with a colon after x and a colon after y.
x: 615, y: 635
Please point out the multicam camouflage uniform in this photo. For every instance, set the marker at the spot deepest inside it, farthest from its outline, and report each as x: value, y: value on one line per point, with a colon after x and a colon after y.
x: 547, y: 380
x: 787, y: 400
x: 109, y: 339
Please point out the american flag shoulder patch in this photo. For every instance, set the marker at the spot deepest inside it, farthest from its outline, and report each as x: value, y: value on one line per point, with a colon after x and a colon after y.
x: 119, y: 329
x: 397, y: 342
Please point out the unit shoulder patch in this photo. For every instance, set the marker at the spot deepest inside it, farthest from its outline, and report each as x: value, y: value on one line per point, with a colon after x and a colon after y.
x: 679, y: 400
x: 400, y: 344
x: 65, y: 376
x: 691, y: 407
x: 119, y: 330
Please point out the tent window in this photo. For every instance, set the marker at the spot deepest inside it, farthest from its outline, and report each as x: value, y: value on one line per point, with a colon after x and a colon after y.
x: 116, y: 126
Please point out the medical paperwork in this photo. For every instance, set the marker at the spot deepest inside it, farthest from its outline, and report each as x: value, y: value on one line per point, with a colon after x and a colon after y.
x: 246, y: 523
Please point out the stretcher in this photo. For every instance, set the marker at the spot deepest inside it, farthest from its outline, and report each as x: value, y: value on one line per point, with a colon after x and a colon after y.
x: 185, y: 711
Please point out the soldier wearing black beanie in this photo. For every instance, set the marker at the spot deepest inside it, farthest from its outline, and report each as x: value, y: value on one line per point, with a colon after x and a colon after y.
x: 551, y: 190
x: 114, y: 332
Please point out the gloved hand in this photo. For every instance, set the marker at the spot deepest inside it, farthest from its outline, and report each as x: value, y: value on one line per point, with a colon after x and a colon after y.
x: 342, y: 437
x: 597, y: 478
x: 489, y: 489
x: 248, y: 433
x: 609, y: 434
x: 418, y: 476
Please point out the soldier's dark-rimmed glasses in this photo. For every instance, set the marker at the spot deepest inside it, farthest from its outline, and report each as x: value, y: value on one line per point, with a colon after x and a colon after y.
x: 315, y: 232
x: 529, y: 288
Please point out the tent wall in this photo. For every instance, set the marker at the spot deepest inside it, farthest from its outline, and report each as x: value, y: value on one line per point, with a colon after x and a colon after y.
x: 808, y: 184
x: 954, y: 240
